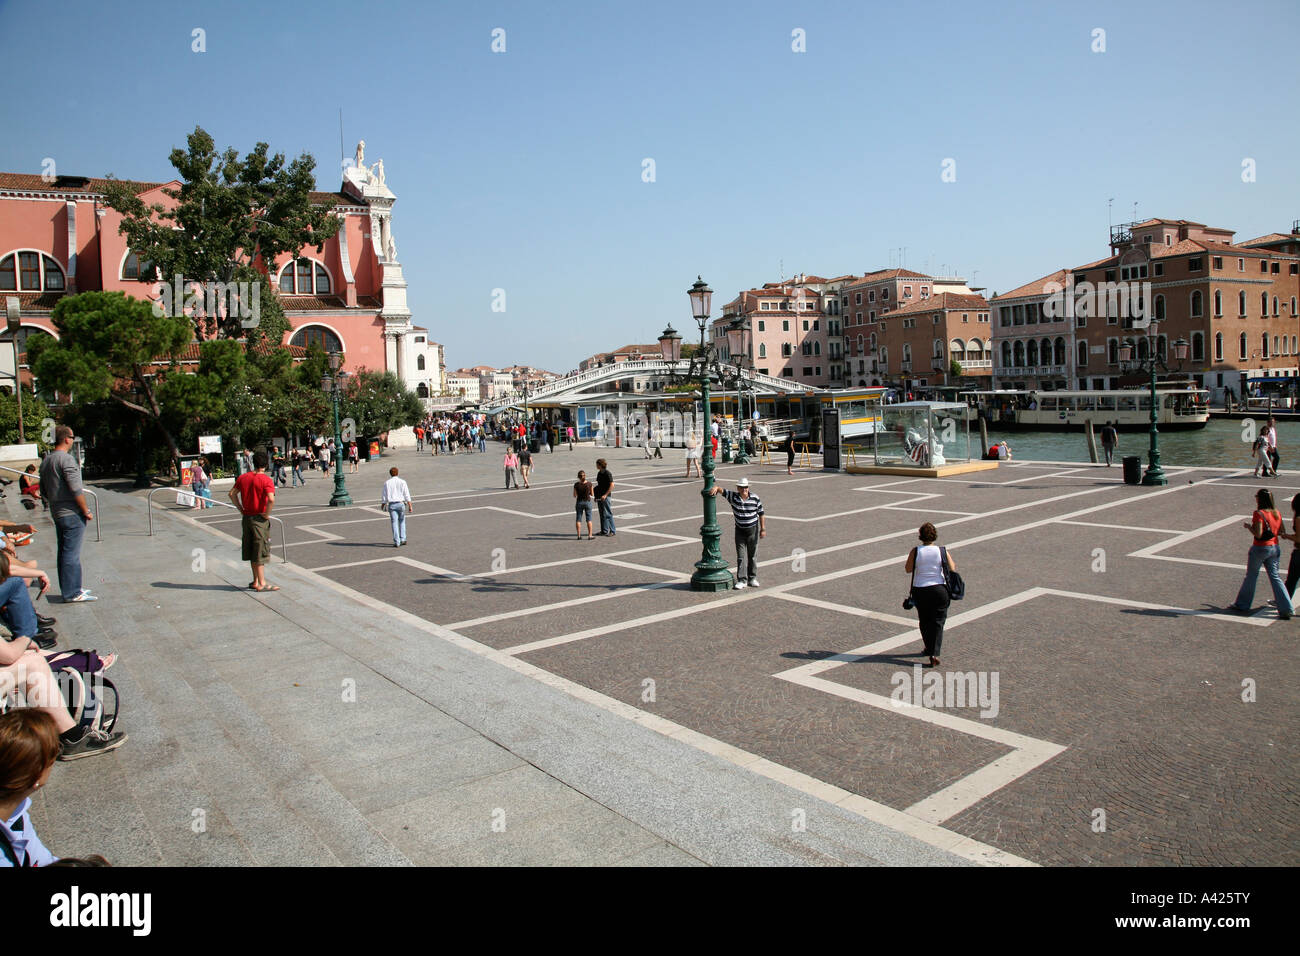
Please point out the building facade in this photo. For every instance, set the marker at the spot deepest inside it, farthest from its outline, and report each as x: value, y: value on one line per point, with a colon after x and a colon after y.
x: 57, y: 238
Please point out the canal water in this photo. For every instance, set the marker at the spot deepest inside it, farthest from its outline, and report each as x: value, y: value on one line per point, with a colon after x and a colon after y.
x: 1219, y: 444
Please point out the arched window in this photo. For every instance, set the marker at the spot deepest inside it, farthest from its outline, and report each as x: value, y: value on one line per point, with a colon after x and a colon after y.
x: 957, y: 349
x: 318, y: 336
x: 25, y: 333
x: 1018, y: 352
x: 304, y: 277
x: 884, y: 358
x: 1293, y: 342
x: 1058, y: 357
x: 133, y: 268
x: 762, y: 350
x: 1032, y: 354
x: 907, y: 352
x: 1242, y: 343
x: 1276, y: 350
x: 873, y: 341
x: 29, y: 271
x: 1144, y: 351
x: 1198, y: 347
x: 1263, y: 304
x: 817, y: 348
x: 1263, y: 347
x: 1006, y: 354
x: 422, y: 390
x: 1044, y: 351
x: 1218, y: 346
x: 1275, y: 307
x: 419, y: 363
x: 1082, y: 360
x: 1241, y: 303
x: 1162, y: 347
x: 1196, y: 303
x: 1112, y: 351
x: 1160, y: 311
x: 938, y: 349
x: 1218, y: 302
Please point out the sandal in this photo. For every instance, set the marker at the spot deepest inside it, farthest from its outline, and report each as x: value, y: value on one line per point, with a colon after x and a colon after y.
x: 269, y: 587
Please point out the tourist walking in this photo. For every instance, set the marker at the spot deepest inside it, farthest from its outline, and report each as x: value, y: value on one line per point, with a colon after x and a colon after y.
x: 297, y: 459
x: 582, y: 492
x: 692, y: 454
x: 789, y: 453
x: 512, y: 468
x: 525, y: 465
x: 929, y: 592
x: 419, y: 438
x: 1109, y: 439
x: 396, y: 500
x: 254, y: 496
x: 1273, y: 455
x: 751, y: 524
x: 1264, y: 525
x: 571, y: 437
x: 604, y: 486
x: 353, y: 455
x: 1263, y: 461
x: 61, y: 487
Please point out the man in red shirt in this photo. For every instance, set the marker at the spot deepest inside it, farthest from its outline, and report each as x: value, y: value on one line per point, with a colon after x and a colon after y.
x: 253, y: 495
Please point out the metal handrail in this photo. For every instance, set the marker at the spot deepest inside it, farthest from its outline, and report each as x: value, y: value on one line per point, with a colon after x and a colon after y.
x: 284, y: 546
x: 85, y: 490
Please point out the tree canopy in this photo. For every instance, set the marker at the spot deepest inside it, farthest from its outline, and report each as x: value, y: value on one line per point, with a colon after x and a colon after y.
x: 231, y: 215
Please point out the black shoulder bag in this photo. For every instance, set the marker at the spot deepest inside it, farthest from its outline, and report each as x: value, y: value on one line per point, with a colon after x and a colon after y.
x: 956, y: 586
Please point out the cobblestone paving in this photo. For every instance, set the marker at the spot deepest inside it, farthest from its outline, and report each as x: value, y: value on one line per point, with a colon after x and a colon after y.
x: 1179, y: 729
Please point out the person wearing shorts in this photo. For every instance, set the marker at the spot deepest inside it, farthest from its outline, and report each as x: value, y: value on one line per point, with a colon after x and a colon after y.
x: 582, y: 492
x: 254, y: 495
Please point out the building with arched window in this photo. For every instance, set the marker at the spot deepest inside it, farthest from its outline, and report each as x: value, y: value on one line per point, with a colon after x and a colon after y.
x: 1199, y: 285
x: 58, y: 238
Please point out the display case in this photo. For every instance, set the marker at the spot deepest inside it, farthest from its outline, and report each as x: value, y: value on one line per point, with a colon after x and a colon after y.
x: 922, y: 435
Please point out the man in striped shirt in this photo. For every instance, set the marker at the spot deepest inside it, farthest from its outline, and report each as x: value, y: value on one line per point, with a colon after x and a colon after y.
x: 750, y: 526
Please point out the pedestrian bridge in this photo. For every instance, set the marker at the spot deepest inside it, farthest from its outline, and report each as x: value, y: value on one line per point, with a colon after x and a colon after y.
x: 580, y: 382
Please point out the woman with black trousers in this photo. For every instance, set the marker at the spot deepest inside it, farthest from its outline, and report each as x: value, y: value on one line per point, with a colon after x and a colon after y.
x: 930, y: 589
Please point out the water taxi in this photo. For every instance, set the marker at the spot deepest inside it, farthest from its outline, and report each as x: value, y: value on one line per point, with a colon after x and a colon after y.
x: 1127, y: 409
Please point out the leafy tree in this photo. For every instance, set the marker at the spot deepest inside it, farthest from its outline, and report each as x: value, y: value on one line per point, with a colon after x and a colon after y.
x: 954, y: 369
x: 112, y: 347
x: 378, y: 402
x: 35, y: 412
x: 231, y: 216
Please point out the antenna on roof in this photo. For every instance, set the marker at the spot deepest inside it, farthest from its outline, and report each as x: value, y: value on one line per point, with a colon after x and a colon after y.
x: 1135, y: 212
x: 1110, y: 219
x: 342, y: 154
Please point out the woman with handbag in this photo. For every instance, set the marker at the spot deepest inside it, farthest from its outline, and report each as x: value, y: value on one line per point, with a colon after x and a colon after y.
x: 1264, y: 525
x: 929, y: 566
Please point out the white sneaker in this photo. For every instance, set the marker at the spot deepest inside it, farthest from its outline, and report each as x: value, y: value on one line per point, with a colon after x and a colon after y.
x: 740, y: 585
x: 753, y: 582
x: 81, y: 598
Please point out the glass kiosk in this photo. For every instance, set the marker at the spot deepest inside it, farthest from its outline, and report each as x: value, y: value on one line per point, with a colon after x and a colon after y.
x: 922, y: 435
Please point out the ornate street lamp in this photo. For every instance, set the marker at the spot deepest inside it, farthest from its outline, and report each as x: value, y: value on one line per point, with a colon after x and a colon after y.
x: 333, y: 384
x: 1155, y: 475
x: 712, y: 573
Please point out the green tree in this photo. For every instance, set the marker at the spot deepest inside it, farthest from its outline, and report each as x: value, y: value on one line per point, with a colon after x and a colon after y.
x: 954, y: 369
x: 379, y: 402
x: 232, y: 219
x: 112, y: 347
x: 35, y: 414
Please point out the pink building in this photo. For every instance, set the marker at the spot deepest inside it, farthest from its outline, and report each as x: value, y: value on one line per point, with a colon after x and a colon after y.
x: 58, y: 238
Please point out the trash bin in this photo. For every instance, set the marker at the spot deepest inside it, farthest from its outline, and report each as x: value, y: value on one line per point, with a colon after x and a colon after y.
x: 532, y: 445
x: 1132, y: 470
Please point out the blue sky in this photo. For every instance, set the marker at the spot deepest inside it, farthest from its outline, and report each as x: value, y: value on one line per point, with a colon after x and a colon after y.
x: 523, y: 170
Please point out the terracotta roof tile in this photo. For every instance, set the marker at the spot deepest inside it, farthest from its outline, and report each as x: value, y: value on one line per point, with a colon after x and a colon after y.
x: 1035, y: 287
x: 32, y: 182
x: 35, y: 301
x: 1271, y: 237
x: 943, y: 301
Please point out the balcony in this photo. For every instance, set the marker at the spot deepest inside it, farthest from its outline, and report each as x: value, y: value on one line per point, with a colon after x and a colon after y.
x: 969, y: 364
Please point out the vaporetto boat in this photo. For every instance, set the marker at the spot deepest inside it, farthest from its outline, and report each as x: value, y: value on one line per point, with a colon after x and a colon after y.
x: 1127, y: 409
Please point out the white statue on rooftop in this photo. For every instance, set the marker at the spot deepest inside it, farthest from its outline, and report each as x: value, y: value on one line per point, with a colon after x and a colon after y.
x: 360, y: 161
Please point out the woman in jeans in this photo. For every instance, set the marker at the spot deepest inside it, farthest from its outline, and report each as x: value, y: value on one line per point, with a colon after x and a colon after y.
x: 582, y: 492
x: 1293, y: 569
x: 1264, y: 525
x: 930, y: 589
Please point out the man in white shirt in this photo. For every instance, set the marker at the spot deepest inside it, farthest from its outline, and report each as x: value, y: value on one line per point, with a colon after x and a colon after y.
x: 396, y: 500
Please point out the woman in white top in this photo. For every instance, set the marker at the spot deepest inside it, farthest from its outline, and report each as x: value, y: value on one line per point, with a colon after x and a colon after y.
x: 693, y: 454
x: 930, y: 589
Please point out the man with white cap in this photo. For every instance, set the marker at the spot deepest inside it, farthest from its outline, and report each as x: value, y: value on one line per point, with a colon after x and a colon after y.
x: 750, y: 526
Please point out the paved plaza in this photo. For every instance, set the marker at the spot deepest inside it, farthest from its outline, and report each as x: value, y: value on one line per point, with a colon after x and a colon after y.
x: 1122, y: 715
x: 1100, y: 608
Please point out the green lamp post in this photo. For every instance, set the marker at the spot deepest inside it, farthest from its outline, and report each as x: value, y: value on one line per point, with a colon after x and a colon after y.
x: 711, y: 571
x: 333, y: 384
x: 1155, y: 475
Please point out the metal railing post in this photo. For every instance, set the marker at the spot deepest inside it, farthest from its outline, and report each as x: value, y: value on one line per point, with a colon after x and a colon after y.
x: 284, y: 543
x: 86, y: 489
